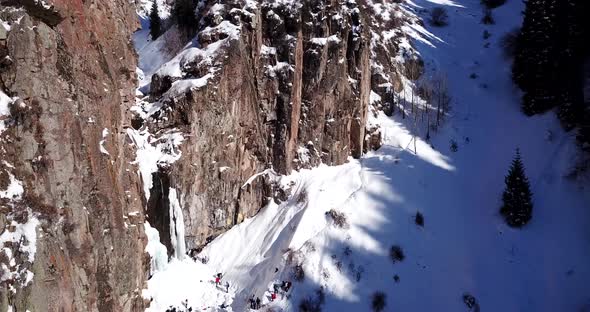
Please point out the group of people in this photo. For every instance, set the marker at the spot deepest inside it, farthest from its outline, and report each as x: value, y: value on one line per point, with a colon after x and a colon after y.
x: 218, y: 277
x: 254, y: 303
x: 283, y: 288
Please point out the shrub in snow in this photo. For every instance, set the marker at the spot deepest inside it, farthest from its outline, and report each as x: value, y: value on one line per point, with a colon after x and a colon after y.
x: 396, y: 254
x: 490, y: 4
x: 487, y: 18
x: 486, y: 34
x: 137, y: 122
x: 413, y: 68
x: 347, y: 251
x: 454, y: 147
x: 470, y: 302
x: 313, y: 304
x: 419, y: 219
x: 298, y: 273
x: 302, y: 196
x: 517, y: 206
x: 338, y: 265
x: 396, y: 278
x: 183, y: 308
x: 338, y: 218
x: 308, y: 305
x: 294, y: 257
x: 359, y: 273
x: 309, y: 247
x: 326, y: 275
x: 439, y: 17
x: 320, y: 295
x: 378, y: 301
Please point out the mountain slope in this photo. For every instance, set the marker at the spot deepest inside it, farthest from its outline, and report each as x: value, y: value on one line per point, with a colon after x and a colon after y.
x: 464, y: 246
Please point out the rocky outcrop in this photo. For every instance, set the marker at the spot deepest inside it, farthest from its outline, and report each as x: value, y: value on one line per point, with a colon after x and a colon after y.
x: 271, y: 86
x: 266, y: 87
x: 68, y: 77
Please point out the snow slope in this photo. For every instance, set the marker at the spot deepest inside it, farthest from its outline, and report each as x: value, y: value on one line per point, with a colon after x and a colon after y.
x: 463, y: 247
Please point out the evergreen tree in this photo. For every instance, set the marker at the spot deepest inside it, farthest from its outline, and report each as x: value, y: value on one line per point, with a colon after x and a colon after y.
x: 534, y: 61
x: 155, y: 21
x: 517, y: 203
x: 570, y: 79
x: 378, y: 301
x: 184, y: 14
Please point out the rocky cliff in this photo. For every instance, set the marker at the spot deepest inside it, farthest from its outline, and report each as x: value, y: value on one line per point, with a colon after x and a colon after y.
x: 67, y: 79
x: 268, y: 87
x: 263, y: 88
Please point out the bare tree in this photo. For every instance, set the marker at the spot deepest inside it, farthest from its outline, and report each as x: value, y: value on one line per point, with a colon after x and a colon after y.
x: 441, y: 96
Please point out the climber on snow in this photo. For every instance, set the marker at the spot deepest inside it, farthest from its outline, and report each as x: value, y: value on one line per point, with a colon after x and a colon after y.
x: 218, y: 279
x: 286, y: 285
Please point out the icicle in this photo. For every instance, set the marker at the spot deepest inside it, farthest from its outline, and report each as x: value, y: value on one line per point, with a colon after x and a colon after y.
x: 176, y: 225
x: 157, y: 251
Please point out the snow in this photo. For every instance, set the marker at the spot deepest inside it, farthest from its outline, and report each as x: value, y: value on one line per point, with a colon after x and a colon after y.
x: 23, y: 231
x: 182, y: 86
x: 204, y: 56
x: 5, y: 101
x: 176, y: 225
x: 186, y: 280
x: 266, y: 50
x: 303, y: 154
x: 154, y: 58
x: 43, y: 4
x: 6, y: 25
x: 151, y: 54
x: 374, y: 98
x: 464, y: 245
x: 144, y: 7
x: 157, y: 251
x: 105, y: 133
x: 324, y: 41
x: 252, y: 178
x: 24, y: 236
x: 14, y: 190
x: 153, y: 151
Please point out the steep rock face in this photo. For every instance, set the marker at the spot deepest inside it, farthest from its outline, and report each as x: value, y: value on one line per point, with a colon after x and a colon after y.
x: 69, y: 71
x: 281, y: 86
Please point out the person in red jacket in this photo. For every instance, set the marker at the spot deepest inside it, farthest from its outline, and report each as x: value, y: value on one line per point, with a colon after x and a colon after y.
x: 218, y: 279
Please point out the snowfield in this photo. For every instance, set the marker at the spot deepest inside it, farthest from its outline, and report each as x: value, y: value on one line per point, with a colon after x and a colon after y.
x: 464, y: 246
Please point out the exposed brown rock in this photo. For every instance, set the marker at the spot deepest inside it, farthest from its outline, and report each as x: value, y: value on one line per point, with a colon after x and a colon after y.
x: 292, y: 83
x: 73, y: 70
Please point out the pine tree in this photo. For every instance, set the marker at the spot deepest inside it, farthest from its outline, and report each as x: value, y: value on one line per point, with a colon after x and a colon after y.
x: 535, y: 58
x: 155, y: 21
x: 570, y: 72
x: 184, y: 13
x: 549, y: 52
x: 517, y: 203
